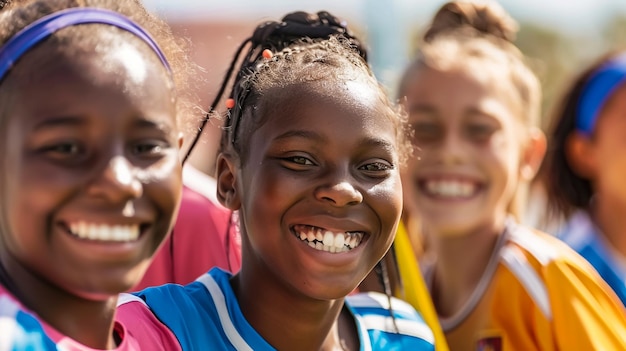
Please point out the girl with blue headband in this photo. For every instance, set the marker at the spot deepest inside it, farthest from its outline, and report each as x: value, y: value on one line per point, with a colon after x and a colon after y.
x: 495, y: 284
x: 586, y: 171
x: 90, y: 92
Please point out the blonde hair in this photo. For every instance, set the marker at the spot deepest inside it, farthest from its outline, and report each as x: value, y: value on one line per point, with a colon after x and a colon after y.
x: 474, y: 32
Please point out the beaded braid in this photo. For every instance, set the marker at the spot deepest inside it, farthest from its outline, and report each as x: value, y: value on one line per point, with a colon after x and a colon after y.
x: 334, y: 52
x: 274, y: 36
x: 299, y: 39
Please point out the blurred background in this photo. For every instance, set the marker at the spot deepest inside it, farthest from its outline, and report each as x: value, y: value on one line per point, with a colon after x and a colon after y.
x: 558, y: 36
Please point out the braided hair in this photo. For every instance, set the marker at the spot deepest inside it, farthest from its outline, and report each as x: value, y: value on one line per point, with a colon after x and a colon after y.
x: 295, y: 31
x: 315, y: 44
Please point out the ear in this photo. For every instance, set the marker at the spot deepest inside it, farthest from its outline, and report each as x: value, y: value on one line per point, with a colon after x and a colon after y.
x: 579, y: 153
x: 533, y: 154
x: 227, y: 192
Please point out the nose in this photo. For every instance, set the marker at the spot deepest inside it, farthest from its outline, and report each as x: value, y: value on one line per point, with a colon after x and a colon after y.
x: 117, y: 181
x: 452, y: 148
x: 339, y: 193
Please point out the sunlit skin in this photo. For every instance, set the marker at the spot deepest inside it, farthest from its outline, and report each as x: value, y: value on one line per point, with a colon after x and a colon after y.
x: 86, y: 140
x: 600, y: 159
x: 471, y: 150
x: 325, y: 157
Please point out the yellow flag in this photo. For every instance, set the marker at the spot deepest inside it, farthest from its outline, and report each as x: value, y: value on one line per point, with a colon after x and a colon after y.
x: 415, y: 291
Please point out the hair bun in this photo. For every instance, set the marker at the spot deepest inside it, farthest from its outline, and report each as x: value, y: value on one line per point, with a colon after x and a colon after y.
x: 298, y: 25
x: 485, y: 17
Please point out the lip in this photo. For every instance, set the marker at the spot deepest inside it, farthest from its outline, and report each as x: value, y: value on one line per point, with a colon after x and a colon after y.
x: 144, y: 227
x: 113, y: 252
x: 341, y: 260
x: 334, y: 224
x: 422, y: 183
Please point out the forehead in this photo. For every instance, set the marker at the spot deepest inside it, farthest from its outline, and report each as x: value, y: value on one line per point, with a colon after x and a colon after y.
x: 57, y: 78
x: 348, y: 108
x: 458, y: 90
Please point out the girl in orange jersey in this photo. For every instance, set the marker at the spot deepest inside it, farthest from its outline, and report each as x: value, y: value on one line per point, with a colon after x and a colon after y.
x: 496, y: 285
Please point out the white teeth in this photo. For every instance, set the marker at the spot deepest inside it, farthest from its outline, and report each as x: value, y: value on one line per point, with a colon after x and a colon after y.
x: 325, y: 240
x: 339, y: 241
x: 451, y: 188
x: 105, y: 232
x: 329, y: 239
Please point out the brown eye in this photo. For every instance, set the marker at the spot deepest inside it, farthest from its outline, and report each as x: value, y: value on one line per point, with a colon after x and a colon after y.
x: 150, y: 148
x: 63, y: 149
x: 300, y: 160
x: 479, y: 131
x: 427, y: 132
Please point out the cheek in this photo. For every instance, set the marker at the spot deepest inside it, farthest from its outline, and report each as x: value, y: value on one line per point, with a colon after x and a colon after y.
x: 388, y: 199
x: 163, y: 183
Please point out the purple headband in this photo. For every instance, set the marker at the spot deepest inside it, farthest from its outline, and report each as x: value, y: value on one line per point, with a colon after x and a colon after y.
x: 41, y: 29
x: 597, y: 90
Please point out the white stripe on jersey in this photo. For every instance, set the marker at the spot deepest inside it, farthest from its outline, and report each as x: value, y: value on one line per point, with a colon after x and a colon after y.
x: 126, y: 298
x: 378, y: 300
x: 220, y: 305
x: 516, y: 262
x: 8, y: 322
x: 525, y: 238
x: 406, y: 327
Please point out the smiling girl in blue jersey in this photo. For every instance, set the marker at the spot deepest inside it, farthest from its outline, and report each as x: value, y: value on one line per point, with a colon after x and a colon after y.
x: 310, y: 159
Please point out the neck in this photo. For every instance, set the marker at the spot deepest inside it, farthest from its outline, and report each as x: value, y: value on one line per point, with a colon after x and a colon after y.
x: 286, y: 319
x: 89, y: 323
x: 609, y: 217
x: 460, y: 264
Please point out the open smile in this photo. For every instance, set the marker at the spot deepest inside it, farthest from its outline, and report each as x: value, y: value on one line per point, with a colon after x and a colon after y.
x: 105, y: 232
x: 450, y: 189
x: 326, y: 240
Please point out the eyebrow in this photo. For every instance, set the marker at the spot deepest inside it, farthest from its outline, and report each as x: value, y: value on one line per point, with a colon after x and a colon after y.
x: 76, y: 121
x: 422, y: 108
x: 148, y: 124
x: 305, y: 134
x: 59, y: 121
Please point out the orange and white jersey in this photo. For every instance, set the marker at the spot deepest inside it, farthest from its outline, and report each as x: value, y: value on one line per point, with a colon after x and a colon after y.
x: 537, y: 294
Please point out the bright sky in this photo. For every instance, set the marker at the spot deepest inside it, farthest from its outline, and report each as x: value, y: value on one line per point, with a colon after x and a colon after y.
x: 570, y: 15
x: 390, y: 24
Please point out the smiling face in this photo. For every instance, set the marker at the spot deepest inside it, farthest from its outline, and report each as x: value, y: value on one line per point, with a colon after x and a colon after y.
x: 93, y: 177
x: 466, y: 165
x: 319, y: 191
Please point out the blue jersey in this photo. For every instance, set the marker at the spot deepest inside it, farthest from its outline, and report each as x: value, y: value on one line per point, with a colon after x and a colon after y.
x: 205, y: 315
x: 19, y: 329
x: 585, y: 238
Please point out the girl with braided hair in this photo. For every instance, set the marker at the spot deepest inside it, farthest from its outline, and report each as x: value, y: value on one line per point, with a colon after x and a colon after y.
x: 309, y: 157
x: 91, y: 92
x: 496, y: 285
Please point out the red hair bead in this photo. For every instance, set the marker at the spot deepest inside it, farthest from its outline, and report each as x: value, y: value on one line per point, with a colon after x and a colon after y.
x: 230, y: 103
x: 267, y: 54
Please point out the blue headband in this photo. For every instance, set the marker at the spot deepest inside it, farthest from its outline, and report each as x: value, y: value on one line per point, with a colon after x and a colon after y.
x: 41, y: 29
x: 597, y: 90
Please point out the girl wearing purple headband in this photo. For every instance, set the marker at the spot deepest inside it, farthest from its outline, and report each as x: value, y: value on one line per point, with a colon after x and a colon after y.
x: 587, y: 170
x: 92, y: 177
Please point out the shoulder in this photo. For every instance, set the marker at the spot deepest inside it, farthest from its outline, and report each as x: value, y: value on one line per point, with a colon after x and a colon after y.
x: 21, y: 330
x: 193, y: 313
x: 549, y: 270
x: 390, y: 321
x: 540, y: 249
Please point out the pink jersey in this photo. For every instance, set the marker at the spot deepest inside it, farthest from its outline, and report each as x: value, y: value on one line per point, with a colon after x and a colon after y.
x: 202, y: 237
x: 24, y: 330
